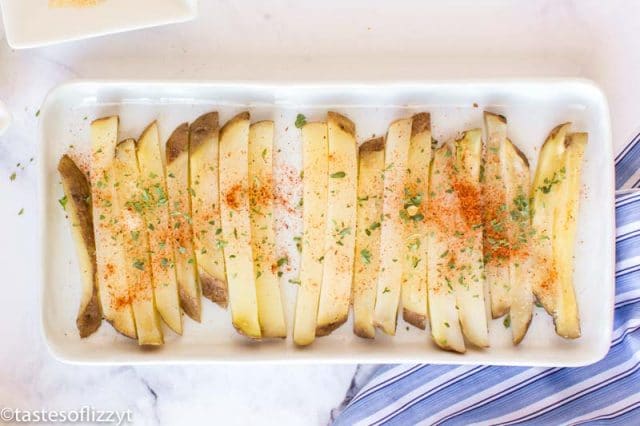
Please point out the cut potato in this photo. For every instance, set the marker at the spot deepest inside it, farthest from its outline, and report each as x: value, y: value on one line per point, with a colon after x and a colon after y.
x: 414, y: 281
x: 315, y: 157
x: 369, y: 219
x: 335, y: 294
x: 263, y: 235
x: 78, y: 206
x: 156, y: 215
x: 519, y: 231
x: 236, y: 225
x: 110, y: 258
x: 495, y: 215
x: 545, y: 197
x: 205, y: 206
x: 467, y: 272
x: 392, y: 234
x: 567, y: 319
x: 130, y: 196
x: 177, y: 153
x: 443, y: 311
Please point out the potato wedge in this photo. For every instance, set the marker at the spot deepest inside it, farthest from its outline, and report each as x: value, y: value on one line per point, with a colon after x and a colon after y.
x: 566, y: 318
x: 236, y: 225
x: 545, y: 196
x: 519, y: 231
x: 159, y: 231
x: 467, y: 273
x: 177, y: 154
x: 443, y: 312
x: 78, y: 207
x: 392, y: 235
x: 495, y: 215
x: 137, y: 267
x: 369, y: 219
x: 335, y: 294
x: 315, y: 161
x: 263, y: 234
x: 205, y: 206
x: 414, y: 279
x: 110, y: 259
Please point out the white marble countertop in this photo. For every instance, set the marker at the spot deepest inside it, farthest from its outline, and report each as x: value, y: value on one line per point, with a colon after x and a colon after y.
x: 284, y: 40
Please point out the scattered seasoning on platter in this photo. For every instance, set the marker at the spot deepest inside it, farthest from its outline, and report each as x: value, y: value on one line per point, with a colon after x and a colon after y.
x: 233, y: 196
x: 494, y: 215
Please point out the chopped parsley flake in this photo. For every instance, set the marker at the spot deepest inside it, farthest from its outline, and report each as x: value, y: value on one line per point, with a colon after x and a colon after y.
x: 556, y: 178
x: 365, y: 255
x: 63, y: 202
x: 301, y: 120
x: 507, y: 321
x: 138, y: 264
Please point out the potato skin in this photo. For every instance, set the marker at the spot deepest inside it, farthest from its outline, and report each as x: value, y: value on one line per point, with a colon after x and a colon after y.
x: 202, y: 129
x: 78, y: 192
x: 214, y: 289
x: 344, y: 123
x: 327, y: 329
x: 178, y: 142
x: 415, y: 319
x: 421, y: 123
x: 375, y: 144
x: 190, y: 306
x: 231, y: 123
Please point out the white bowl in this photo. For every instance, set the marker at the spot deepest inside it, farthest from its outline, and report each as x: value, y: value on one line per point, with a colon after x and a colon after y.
x: 32, y: 23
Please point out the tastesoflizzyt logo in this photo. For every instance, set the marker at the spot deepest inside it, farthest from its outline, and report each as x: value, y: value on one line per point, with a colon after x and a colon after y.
x: 83, y: 415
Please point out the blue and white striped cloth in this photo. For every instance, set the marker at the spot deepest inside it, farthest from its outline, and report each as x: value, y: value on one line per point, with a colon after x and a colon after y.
x: 605, y: 392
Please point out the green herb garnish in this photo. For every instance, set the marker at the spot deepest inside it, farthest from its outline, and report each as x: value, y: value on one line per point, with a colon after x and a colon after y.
x: 138, y: 264
x: 63, y: 202
x: 301, y: 120
x: 365, y: 255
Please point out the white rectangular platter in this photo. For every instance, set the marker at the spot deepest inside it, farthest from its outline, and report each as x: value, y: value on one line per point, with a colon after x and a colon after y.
x: 31, y: 23
x: 533, y: 108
